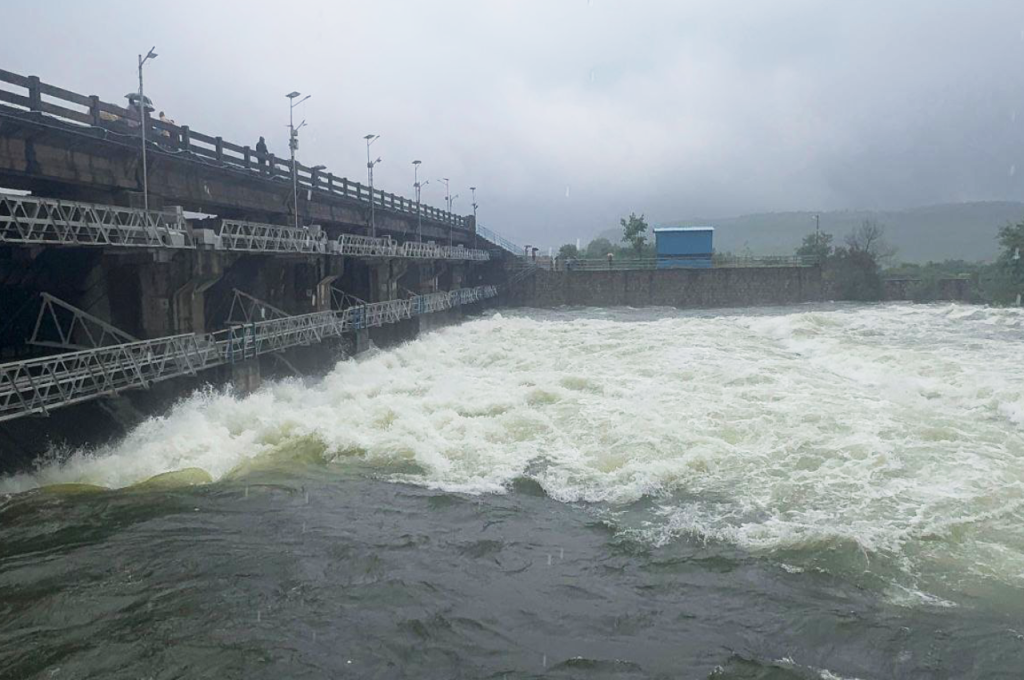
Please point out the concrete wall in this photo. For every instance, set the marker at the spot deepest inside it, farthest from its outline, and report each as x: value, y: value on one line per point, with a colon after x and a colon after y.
x: 720, y: 287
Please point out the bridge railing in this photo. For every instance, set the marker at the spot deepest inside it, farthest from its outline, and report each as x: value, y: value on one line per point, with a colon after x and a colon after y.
x: 499, y: 240
x: 40, y: 385
x: 32, y: 220
x: 29, y: 93
x: 269, y: 238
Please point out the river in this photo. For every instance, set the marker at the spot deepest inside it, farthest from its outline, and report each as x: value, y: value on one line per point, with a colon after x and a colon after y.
x: 806, y: 492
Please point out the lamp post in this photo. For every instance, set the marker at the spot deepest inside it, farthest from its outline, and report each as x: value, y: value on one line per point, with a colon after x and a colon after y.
x: 473, y: 189
x: 451, y: 220
x: 142, y: 126
x: 370, y: 139
x: 293, y: 145
x: 419, y: 188
x: 448, y: 202
x: 817, y: 224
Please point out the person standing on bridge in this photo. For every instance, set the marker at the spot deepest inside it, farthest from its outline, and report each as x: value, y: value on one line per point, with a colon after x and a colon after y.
x: 261, y: 153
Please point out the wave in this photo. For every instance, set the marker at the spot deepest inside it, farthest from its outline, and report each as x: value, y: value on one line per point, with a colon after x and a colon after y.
x: 893, y: 430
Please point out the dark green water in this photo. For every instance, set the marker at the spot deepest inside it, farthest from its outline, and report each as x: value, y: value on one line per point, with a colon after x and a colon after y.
x: 372, y: 579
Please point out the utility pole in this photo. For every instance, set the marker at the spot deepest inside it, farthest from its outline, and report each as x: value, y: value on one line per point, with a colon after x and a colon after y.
x: 293, y: 145
x: 418, y: 187
x: 142, y: 126
x: 370, y: 139
x: 451, y: 220
x: 473, y: 189
x: 448, y: 204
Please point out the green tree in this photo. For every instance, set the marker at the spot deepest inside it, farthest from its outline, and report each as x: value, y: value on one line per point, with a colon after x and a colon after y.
x: 568, y: 250
x: 634, y: 232
x: 817, y: 247
x: 1006, y: 279
x: 853, y: 275
x: 849, y: 272
x: 599, y: 248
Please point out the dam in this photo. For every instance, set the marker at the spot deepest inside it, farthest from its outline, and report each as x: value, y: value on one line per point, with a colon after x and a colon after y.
x: 260, y: 420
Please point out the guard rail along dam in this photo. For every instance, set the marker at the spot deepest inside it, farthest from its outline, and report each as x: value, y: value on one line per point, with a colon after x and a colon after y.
x: 141, y: 261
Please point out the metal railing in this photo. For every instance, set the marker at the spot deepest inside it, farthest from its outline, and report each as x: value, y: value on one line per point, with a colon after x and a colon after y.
x: 42, y: 221
x: 256, y: 237
x: 41, y: 385
x: 499, y: 240
x: 715, y: 261
x: 27, y: 93
x: 32, y: 220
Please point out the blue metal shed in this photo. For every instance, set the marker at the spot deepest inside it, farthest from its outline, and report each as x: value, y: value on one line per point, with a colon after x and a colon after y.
x: 684, y: 246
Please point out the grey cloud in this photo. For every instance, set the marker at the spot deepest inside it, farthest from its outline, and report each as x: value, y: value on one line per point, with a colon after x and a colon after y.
x: 676, y: 109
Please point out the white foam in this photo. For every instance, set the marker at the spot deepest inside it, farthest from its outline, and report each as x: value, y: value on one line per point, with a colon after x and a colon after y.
x: 887, y: 428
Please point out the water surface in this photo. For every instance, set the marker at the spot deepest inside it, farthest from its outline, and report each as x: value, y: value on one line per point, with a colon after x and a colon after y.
x: 810, y: 492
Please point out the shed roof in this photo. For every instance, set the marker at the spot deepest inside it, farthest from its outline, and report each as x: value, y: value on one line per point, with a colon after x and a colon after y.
x: 661, y: 229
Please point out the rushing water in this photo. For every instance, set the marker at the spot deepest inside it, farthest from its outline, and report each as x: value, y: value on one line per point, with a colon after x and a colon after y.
x: 813, y: 492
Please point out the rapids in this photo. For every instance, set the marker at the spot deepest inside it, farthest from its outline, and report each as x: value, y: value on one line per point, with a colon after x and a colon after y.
x: 808, y: 492
x: 885, y: 442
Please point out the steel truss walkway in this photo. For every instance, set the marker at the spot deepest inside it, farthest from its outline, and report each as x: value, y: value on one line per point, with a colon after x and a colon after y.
x: 42, y: 221
x: 41, y: 385
x: 31, y: 220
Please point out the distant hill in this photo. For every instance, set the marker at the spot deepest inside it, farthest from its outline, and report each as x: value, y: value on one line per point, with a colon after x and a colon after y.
x: 950, y: 231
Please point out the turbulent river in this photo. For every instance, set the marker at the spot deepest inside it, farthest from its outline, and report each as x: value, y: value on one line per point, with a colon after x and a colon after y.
x: 808, y: 492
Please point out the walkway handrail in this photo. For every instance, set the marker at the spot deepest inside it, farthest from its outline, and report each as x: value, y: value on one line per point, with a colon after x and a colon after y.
x: 40, y: 385
x: 26, y: 92
x: 43, y: 221
x: 32, y: 220
x: 499, y: 240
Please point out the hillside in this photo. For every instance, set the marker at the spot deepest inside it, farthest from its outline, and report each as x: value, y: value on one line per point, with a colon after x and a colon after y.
x: 938, y: 232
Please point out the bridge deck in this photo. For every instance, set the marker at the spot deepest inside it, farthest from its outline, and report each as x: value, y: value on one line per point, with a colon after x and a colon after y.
x: 19, y: 94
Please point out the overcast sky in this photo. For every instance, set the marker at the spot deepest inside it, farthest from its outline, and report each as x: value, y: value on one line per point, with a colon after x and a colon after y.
x: 569, y: 114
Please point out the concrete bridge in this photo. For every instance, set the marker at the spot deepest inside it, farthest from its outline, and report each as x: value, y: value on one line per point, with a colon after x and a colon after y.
x: 99, y: 296
x: 61, y: 144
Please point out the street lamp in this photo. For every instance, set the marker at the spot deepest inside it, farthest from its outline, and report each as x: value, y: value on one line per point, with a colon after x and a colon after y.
x: 419, y: 188
x: 142, y: 126
x: 451, y: 220
x: 448, y: 201
x: 473, y: 189
x: 293, y: 145
x: 370, y: 139
x: 817, y: 224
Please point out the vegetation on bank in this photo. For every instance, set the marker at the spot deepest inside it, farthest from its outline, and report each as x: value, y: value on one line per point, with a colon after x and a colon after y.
x: 857, y: 268
x: 635, y: 244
